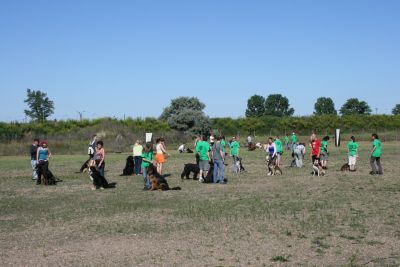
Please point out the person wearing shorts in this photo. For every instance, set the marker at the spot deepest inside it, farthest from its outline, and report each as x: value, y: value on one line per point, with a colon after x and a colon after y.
x: 203, y: 150
x: 279, y: 150
x: 161, y: 150
x: 315, y: 150
x: 352, y: 149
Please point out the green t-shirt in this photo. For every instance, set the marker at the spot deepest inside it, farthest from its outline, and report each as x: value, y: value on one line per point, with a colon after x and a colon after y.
x: 148, y: 156
x: 234, y: 148
x: 324, y: 144
x: 286, y: 139
x: 294, y: 139
x: 278, y: 144
x: 377, y: 152
x: 352, y: 146
x: 203, y: 148
x: 223, y: 144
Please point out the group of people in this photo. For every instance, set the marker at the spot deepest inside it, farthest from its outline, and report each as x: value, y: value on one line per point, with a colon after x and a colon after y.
x: 212, y: 151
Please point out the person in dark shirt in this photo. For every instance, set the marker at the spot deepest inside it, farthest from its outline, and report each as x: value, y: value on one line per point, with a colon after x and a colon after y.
x: 33, y: 151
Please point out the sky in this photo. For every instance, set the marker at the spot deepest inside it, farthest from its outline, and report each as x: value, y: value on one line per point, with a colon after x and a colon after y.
x: 130, y: 58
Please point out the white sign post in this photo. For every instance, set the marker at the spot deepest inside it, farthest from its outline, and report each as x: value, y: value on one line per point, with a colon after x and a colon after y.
x: 149, y: 137
x: 337, y: 137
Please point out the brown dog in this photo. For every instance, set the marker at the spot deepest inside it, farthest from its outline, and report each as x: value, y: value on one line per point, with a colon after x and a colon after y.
x: 345, y: 167
x: 157, y: 181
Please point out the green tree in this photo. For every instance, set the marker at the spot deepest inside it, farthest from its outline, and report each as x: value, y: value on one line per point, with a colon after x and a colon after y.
x: 40, y: 106
x: 181, y: 103
x: 255, y: 106
x: 396, y: 110
x: 353, y: 106
x: 186, y: 114
x: 324, y: 106
x: 278, y: 105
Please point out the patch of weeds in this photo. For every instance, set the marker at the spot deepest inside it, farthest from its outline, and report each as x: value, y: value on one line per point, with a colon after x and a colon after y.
x: 356, y: 239
x: 352, y: 261
x: 321, y: 246
x: 280, y: 258
x: 301, y: 236
x: 374, y: 242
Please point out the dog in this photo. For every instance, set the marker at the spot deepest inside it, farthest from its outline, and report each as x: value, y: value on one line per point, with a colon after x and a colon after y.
x: 273, y: 169
x: 210, y: 176
x: 188, y: 150
x: 48, y: 177
x: 85, y: 166
x: 99, y: 181
x: 157, y: 181
x: 317, y: 168
x: 129, y: 167
x: 252, y: 147
x: 238, y: 166
x: 345, y: 167
x: 190, y: 168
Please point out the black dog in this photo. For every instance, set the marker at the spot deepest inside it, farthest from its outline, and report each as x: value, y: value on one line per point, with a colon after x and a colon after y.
x: 189, y: 168
x: 42, y: 169
x: 98, y: 179
x: 129, y: 166
x: 188, y: 150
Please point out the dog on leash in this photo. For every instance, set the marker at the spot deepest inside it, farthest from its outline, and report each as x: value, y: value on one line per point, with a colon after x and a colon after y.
x: 157, y: 181
x: 238, y: 166
x: 273, y: 169
x: 317, y: 168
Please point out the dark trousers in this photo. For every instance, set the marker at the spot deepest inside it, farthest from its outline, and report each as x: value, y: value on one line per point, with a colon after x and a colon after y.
x: 138, y: 164
x: 101, y: 167
x: 376, y: 165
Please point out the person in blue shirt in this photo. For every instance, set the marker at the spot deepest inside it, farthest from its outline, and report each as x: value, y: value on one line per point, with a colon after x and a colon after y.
x: 43, y: 155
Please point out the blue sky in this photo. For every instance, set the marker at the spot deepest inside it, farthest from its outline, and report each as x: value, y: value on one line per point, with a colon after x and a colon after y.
x: 116, y: 58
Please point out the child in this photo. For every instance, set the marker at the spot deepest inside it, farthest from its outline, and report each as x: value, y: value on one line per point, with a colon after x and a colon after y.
x: 324, y: 152
x: 352, y: 150
x: 279, y: 150
x: 147, y: 159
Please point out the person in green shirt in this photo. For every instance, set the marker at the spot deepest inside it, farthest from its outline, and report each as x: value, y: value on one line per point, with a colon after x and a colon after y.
x: 352, y: 150
x: 203, y: 150
x: 324, y: 152
x: 286, y: 138
x: 234, y: 149
x: 294, y: 140
x: 147, y: 159
x: 223, y: 144
x: 279, y: 151
x: 376, y: 156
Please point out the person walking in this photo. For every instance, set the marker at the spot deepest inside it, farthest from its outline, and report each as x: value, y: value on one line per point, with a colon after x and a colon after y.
x: 294, y: 140
x: 203, y: 150
x: 315, y: 150
x: 286, y: 138
x: 33, y: 151
x: 352, y: 151
x: 279, y: 150
x: 218, y: 156
x: 376, y: 154
x: 137, y: 156
x: 160, y: 151
x: 234, y: 145
x: 324, y: 152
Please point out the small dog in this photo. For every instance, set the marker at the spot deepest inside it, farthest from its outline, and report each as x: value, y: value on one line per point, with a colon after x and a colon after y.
x: 129, y: 167
x: 317, y: 168
x: 189, y: 168
x: 238, y: 166
x: 157, y: 181
x: 273, y: 169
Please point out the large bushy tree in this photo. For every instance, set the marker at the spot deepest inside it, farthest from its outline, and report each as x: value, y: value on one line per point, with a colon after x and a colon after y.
x: 353, y: 106
x: 40, y: 106
x: 186, y: 114
x: 255, y: 106
x: 277, y: 105
x: 324, y: 105
x: 396, y: 110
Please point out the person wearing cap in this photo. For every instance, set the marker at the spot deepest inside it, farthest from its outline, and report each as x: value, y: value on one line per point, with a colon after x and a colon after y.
x: 43, y: 155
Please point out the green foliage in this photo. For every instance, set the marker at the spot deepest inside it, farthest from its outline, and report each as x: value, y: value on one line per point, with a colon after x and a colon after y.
x: 277, y: 105
x: 186, y: 114
x: 255, y: 106
x: 40, y: 106
x: 324, y: 106
x: 396, y: 110
x: 353, y: 106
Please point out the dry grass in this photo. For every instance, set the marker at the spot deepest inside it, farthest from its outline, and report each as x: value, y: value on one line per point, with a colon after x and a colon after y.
x: 348, y: 219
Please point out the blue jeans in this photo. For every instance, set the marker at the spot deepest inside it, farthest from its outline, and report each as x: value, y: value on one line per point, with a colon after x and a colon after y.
x: 218, y: 165
x: 138, y: 164
x: 34, y: 172
x: 145, y: 179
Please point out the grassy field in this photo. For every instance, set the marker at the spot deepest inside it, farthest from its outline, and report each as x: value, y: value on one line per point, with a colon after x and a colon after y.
x: 341, y: 219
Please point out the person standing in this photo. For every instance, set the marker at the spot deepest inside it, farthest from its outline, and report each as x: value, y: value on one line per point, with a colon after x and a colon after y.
x: 298, y: 153
x: 33, y: 151
x: 249, y: 140
x: 324, y: 152
x: 147, y: 159
x: 203, y: 150
x: 160, y: 158
x: 218, y: 158
x: 223, y: 145
x: 294, y: 140
x: 279, y: 150
x: 376, y: 156
x: 99, y: 157
x: 352, y: 151
x: 315, y: 150
x: 286, y: 138
x: 137, y: 156
x: 43, y: 155
x: 234, y: 149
